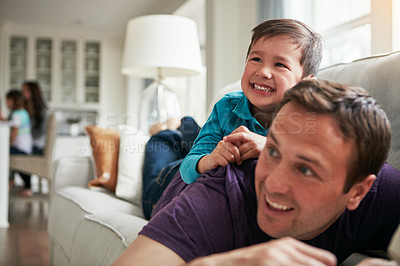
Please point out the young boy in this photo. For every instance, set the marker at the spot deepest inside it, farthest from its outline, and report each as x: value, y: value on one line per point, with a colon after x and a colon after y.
x: 281, y: 53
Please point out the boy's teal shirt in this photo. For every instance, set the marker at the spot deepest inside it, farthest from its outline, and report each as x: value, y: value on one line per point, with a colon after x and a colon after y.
x: 230, y: 112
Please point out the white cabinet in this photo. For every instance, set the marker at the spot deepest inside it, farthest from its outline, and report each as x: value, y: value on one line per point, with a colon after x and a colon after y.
x: 18, y: 61
x: 68, y: 69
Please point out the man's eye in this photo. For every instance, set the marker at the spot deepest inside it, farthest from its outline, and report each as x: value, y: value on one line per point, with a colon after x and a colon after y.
x: 306, y: 171
x: 272, y: 152
x: 280, y: 65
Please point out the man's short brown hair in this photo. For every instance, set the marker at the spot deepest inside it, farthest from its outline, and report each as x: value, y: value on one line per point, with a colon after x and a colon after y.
x: 359, y: 118
x: 306, y: 38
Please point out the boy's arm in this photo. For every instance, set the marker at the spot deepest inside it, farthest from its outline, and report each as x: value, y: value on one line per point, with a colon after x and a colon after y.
x: 208, y: 138
x: 240, y: 145
x: 146, y: 251
x: 223, y: 154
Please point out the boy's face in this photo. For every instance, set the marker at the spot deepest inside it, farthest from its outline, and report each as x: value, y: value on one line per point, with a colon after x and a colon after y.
x: 272, y: 67
x: 301, y: 173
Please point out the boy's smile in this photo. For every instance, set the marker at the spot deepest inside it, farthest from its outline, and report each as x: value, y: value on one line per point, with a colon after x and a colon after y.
x: 263, y: 88
x: 272, y: 67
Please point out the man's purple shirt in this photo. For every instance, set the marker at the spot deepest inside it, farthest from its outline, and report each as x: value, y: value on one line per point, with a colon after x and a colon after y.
x: 218, y: 213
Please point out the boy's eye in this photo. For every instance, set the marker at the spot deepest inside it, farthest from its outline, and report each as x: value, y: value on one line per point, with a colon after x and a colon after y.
x: 256, y: 59
x: 280, y: 65
x: 306, y: 171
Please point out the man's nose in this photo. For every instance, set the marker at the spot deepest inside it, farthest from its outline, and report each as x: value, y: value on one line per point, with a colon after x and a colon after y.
x: 278, y: 180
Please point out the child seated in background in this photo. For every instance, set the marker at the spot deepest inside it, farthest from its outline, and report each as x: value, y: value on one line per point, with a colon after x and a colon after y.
x: 20, y: 135
x: 281, y: 53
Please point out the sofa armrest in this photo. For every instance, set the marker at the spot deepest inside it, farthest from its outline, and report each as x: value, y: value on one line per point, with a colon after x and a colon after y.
x: 72, y: 171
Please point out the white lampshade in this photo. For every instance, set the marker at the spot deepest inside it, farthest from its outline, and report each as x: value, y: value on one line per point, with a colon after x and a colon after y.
x: 161, y: 44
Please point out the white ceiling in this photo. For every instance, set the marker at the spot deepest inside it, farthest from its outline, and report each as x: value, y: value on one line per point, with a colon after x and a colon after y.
x: 108, y: 16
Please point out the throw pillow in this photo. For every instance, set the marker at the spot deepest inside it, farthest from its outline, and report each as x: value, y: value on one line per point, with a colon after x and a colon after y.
x: 105, y: 147
x: 130, y: 164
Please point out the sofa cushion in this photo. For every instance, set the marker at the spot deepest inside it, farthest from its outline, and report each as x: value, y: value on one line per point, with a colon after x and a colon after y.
x: 105, y: 146
x: 69, y: 207
x: 379, y: 76
x: 130, y: 164
x: 103, y: 236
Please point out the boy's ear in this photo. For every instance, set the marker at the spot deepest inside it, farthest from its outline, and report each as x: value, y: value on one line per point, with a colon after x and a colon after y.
x: 358, y: 192
x: 309, y: 77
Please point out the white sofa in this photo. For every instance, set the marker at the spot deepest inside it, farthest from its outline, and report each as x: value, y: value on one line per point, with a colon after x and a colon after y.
x: 89, y: 227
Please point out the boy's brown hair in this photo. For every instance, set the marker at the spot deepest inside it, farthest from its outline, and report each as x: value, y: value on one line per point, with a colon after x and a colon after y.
x: 361, y: 120
x: 306, y: 38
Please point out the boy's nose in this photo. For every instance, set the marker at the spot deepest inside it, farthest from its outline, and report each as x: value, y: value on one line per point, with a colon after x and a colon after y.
x: 264, y: 72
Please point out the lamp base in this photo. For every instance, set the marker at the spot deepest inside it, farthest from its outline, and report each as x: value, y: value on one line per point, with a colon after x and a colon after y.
x: 158, y: 104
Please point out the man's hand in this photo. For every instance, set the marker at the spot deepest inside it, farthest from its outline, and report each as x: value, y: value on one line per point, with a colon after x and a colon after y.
x: 250, y: 144
x: 377, y: 262
x: 223, y: 154
x: 285, y: 251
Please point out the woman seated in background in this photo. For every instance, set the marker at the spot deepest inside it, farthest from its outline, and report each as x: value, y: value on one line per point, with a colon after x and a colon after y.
x: 38, y: 112
x: 20, y: 135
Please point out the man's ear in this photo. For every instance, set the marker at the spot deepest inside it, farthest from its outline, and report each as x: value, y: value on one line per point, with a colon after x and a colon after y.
x: 358, y: 192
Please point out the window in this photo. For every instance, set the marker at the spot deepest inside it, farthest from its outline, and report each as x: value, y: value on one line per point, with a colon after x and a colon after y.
x: 346, y: 28
x: 351, y: 28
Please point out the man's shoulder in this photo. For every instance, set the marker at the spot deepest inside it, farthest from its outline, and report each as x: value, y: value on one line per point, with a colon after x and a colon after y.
x: 387, y: 181
x: 231, y: 174
x: 389, y: 171
x: 218, y: 211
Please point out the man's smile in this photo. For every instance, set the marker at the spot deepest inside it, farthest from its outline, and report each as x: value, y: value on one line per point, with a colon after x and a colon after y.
x: 276, y: 206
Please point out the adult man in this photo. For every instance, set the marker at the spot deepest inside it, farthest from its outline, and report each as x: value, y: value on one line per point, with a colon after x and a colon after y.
x: 316, y: 180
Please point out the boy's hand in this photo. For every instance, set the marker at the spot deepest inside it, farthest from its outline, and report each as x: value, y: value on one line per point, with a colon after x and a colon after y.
x: 223, y: 154
x: 249, y: 143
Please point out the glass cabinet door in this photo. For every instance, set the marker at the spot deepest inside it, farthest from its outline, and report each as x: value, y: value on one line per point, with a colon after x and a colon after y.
x: 92, y: 71
x: 68, y: 71
x: 43, y: 50
x: 18, y: 61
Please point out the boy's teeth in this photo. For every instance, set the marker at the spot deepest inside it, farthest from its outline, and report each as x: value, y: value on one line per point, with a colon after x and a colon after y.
x: 266, y: 89
x: 277, y: 206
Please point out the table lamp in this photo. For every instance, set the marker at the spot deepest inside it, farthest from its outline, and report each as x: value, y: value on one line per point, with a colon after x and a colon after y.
x: 157, y: 46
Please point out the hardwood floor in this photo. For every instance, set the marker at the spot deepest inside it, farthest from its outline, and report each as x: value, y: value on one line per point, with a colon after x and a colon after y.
x: 25, y: 242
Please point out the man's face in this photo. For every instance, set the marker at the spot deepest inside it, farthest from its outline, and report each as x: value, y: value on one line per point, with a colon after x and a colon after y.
x: 272, y: 67
x: 301, y: 173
